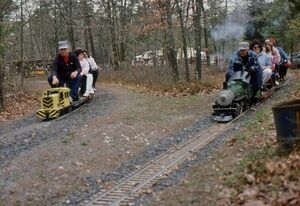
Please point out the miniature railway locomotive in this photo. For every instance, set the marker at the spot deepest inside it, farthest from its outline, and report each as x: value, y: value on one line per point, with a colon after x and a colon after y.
x: 56, y: 102
x: 234, y: 99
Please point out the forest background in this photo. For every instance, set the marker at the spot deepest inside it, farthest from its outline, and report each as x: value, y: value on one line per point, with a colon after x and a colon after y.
x: 136, y: 40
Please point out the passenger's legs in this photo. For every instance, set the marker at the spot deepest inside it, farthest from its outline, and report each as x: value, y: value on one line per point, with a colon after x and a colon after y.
x: 266, y: 75
x: 83, y: 85
x: 95, y: 76
x: 256, y: 82
x: 282, y: 70
x: 74, y: 86
x: 89, y: 83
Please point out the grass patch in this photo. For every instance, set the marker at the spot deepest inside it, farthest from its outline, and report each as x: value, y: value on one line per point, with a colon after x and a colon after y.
x: 242, y: 136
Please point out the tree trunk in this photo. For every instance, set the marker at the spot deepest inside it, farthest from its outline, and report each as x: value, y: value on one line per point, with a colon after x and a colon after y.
x: 1, y: 64
x: 171, y: 40
x: 22, y: 48
x: 205, y: 34
x: 86, y: 39
x: 2, y: 83
x: 31, y: 42
x: 115, y: 56
x: 88, y: 26
x: 197, y: 26
x: 56, y: 29
x: 184, y: 42
x: 71, y: 25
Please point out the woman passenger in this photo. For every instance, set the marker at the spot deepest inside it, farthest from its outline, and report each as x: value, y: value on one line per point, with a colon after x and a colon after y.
x: 87, y: 79
x: 93, y: 67
x: 264, y: 61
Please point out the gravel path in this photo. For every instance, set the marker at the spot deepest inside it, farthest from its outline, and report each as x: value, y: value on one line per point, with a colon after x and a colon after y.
x: 25, y: 134
x: 156, y: 149
x: 13, y: 146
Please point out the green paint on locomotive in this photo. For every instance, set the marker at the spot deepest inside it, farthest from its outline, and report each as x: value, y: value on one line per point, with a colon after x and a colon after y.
x: 240, y: 89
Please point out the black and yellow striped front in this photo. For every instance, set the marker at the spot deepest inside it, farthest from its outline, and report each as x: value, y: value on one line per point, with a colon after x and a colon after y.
x: 48, y: 114
x: 47, y: 103
x: 41, y: 114
x: 55, y: 101
x: 53, y: 114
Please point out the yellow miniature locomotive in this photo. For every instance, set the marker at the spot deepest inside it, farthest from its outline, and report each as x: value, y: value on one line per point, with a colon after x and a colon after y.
x: 54, y: 102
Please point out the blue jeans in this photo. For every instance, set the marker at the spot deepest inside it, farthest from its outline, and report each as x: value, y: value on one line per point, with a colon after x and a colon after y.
x: 256, y: 81
x: 73, y: 84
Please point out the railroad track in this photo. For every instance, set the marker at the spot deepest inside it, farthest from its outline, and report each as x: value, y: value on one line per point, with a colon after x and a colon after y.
x: 133, y: 185
x: 38, y: 124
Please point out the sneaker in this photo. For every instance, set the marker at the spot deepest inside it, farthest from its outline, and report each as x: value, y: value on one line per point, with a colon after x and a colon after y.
x: 276, y: 83
x: 92, y: 91
x: 71, y: 99
x: 94, y: 88
x: 86, y: 94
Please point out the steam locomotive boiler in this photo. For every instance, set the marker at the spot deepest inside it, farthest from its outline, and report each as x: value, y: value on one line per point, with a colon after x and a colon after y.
x: 234, y: 99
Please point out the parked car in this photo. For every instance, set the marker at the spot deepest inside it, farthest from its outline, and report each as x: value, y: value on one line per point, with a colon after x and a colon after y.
x: 295, y: 60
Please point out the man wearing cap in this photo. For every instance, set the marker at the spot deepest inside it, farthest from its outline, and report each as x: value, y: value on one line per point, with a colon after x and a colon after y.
x: 246, y: 60
x: 66, y: 70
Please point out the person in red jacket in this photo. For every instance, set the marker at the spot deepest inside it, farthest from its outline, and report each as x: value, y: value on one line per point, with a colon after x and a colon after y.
x: 66, y: 69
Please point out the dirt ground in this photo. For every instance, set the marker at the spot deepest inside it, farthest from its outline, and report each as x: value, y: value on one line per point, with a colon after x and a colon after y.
x: 56, y: 168
x: 224, y: 177
x: 49, y: 173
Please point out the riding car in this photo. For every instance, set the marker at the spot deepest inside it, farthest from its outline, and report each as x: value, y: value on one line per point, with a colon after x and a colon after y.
x: 295, y: 60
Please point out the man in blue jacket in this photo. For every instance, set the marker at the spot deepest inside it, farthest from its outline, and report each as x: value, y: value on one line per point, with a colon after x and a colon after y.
x: 66, y: 70
x: 246, y: 60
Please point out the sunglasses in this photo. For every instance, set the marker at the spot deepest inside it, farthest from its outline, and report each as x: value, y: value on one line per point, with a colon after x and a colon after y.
x: 256, y: 47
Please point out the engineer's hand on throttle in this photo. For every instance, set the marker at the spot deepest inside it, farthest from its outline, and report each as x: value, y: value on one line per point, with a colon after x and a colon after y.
x: 55, y: 80
x: 250, y: 70
x: 74, y: 74
x: 237, y: 66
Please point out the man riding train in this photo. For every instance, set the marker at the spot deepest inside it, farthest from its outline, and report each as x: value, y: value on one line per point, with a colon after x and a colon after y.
x: 246, y: 60
x: 73, y: 69
x: 66, y: 70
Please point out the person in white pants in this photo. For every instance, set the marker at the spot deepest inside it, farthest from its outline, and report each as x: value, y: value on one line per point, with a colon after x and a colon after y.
x: 264, y: 61
x: 86, y: 88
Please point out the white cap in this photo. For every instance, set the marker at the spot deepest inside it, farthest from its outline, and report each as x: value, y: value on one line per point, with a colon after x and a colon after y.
x: 63, y: 45
x: 243, y: 45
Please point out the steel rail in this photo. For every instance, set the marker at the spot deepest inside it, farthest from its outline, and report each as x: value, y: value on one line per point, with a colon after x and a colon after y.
x: 131, y: 186
x: 39, y: 124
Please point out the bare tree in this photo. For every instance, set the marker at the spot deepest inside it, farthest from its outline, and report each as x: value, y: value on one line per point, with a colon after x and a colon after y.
x: 6, y: 6
x: 198, y: 29
x: 166, y: 7
x: 205, y: 30
x: 88, y: 26
x: 22, y: 46
x: 111, y: 11
x: 184, y: 41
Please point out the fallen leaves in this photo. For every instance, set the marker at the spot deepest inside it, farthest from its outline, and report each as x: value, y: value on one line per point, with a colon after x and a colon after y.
x: 274, y: 182
x: 231, y: 142
x: 176, y: 90
x: 17, y: 105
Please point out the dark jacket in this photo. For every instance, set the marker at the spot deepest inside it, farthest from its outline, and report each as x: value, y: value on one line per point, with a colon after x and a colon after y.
x: 63, y: 70
x: 237, y: 63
